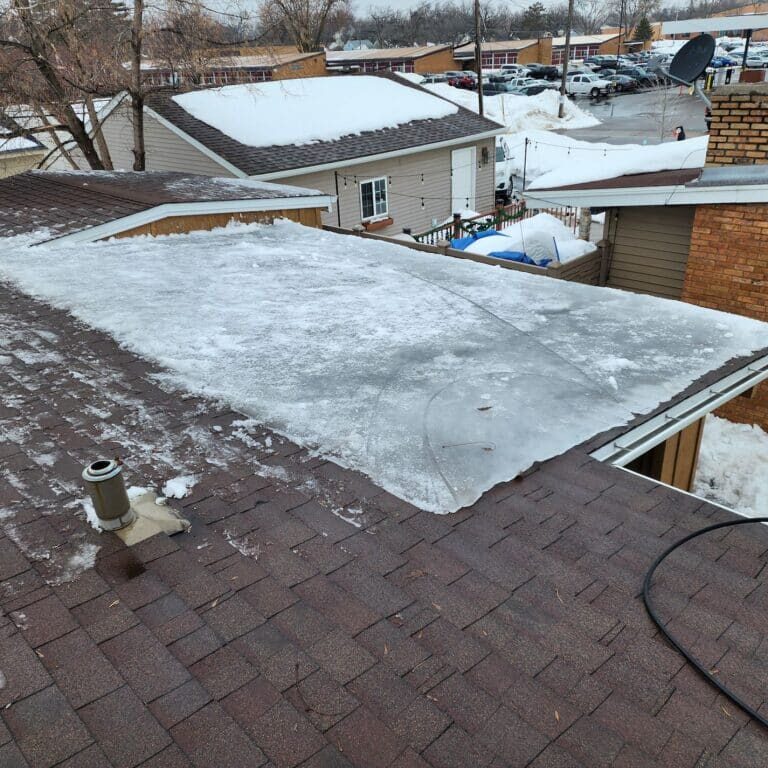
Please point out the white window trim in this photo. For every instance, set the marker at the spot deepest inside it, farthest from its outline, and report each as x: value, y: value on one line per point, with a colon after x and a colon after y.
x: 376, y: 216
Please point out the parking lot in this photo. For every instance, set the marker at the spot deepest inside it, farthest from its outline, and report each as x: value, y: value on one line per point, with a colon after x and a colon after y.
x: 647, y: 117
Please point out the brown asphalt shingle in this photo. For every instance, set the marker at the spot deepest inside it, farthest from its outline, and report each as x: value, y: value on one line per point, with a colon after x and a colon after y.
x: 66, y: 202
x: 508, y: 634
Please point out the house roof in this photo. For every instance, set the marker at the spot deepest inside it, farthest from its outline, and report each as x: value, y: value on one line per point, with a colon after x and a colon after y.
x: 12, y: 142
x: 437, y: 395
x: 280, y: 161
x: 64, y: 203
x: 688, y: 186
x: 494, y: 45
x: 381, y: 54
x: 559, y: 42
x: 268, y: 59
x: 310, y: 619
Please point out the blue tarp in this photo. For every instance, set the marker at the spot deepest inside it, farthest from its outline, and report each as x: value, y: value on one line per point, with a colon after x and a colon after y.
x: 461, y: 243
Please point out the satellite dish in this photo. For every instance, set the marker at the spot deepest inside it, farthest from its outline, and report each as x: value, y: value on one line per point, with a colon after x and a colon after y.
x: 692, y: 59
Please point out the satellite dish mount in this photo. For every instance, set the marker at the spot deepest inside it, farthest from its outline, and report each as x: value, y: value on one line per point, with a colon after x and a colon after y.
x: 690, y: 63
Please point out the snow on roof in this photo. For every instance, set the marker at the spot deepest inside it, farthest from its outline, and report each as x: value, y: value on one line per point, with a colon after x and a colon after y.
x: 307, y: 110
x: 17, y: 143
x: 553, y: 160
x: 438, y: 378
x: 585, y: 39
x: 519, y: 113
x: 496, y: 45
x: 373, y: 54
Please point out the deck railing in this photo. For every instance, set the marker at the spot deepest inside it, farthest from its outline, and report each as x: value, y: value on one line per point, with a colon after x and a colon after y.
x: 497, y: 219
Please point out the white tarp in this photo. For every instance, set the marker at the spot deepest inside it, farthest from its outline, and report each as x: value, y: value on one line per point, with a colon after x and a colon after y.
x: 437, y: 377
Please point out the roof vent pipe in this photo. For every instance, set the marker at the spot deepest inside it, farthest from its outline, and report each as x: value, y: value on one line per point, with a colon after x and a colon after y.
x: 104, y: 481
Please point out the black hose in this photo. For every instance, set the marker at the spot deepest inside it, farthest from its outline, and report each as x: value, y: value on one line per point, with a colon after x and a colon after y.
x: 672, y: 639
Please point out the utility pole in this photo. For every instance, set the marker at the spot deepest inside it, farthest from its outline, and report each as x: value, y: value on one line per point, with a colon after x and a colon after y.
x: 621, y: 24
x: 566, y: 57
x: 478, y: 59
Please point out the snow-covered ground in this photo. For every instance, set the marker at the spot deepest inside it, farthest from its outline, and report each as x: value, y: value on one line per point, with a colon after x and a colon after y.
x: 733, y: 466
x: 553, y: 160
x: 310, y: 109
x: 520, y: 113
x: 437, y: 378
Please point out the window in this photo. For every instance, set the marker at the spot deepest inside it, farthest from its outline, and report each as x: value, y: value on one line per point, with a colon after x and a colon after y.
x: 373, y: 198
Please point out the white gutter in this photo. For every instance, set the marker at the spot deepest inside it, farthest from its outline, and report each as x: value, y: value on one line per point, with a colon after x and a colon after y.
x: 679, y: 194
x: 629, y: 446
x: 382, y: 156
x: 168, y: 210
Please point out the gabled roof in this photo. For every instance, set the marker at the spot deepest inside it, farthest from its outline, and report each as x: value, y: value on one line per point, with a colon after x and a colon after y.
x: 489, y: 46
x: 280, y: 161
x: 99, y: 204
x: 558, y: 42
x: 13, y: 141
x: 383, y: 54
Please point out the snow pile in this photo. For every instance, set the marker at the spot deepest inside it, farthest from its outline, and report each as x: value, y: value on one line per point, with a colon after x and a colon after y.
x: 542, y: 233
x: 179, y: 487
x: 519, y: 113
x: 733, y: 466
x: 569, y: 246
x: 436, y: 377
x: 554, y: 160
x: 312, y: 109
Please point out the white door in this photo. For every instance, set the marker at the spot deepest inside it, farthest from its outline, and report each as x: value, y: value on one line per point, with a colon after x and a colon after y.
x: 463, y: 164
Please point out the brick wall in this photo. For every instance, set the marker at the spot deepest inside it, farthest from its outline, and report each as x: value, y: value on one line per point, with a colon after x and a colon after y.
x: 739, y: 132
x: 728, y: 261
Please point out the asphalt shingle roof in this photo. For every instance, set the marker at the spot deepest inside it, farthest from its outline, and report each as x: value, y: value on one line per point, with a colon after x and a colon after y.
x: 65, y: 202
x: 275, y: 633
x: 256, y: 161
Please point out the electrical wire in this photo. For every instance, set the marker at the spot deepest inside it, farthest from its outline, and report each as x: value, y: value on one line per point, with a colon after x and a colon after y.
x: 672, y: 639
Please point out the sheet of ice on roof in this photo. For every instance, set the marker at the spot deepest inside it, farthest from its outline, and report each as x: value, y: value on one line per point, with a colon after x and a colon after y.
x: 438, y: 378
x: 311, y: 109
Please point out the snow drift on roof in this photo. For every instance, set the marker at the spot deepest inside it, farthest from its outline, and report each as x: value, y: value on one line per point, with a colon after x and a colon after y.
x: 554, y: 160
x: 437, y: 377
x: 312, y: 109
x: 519, y: 113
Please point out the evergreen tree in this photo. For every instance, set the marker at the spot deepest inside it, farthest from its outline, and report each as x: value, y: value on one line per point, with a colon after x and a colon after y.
x: 643, y: 30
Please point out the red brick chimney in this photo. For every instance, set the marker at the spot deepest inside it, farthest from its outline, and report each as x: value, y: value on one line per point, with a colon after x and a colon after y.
x: 739, y: 131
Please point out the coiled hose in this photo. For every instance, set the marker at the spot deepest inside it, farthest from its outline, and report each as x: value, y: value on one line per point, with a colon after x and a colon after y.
x: 672, y: 639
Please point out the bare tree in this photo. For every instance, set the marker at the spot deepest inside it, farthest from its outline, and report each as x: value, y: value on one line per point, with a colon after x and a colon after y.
x: 55, y: 54
x: 590, y: 15
x: 304, y: 21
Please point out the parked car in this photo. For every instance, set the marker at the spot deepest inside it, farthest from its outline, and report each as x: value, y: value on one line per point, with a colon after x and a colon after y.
x: 722, y: 61
x: 503, y: 191
x: 757, y: 60
x: 622, y: 83
x: 643, y: 76
x: 435, y: 79
x: 543, y: 71
x: 516, y: 69
x: 493, y: 89
x: 588, y: 85
x: 534, y: 88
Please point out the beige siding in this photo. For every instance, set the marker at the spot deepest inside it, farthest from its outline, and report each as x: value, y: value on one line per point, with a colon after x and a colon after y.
x: 165, y: 150
x: 406, y: 189
x: 650, y: 249
x: 12, y: 163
